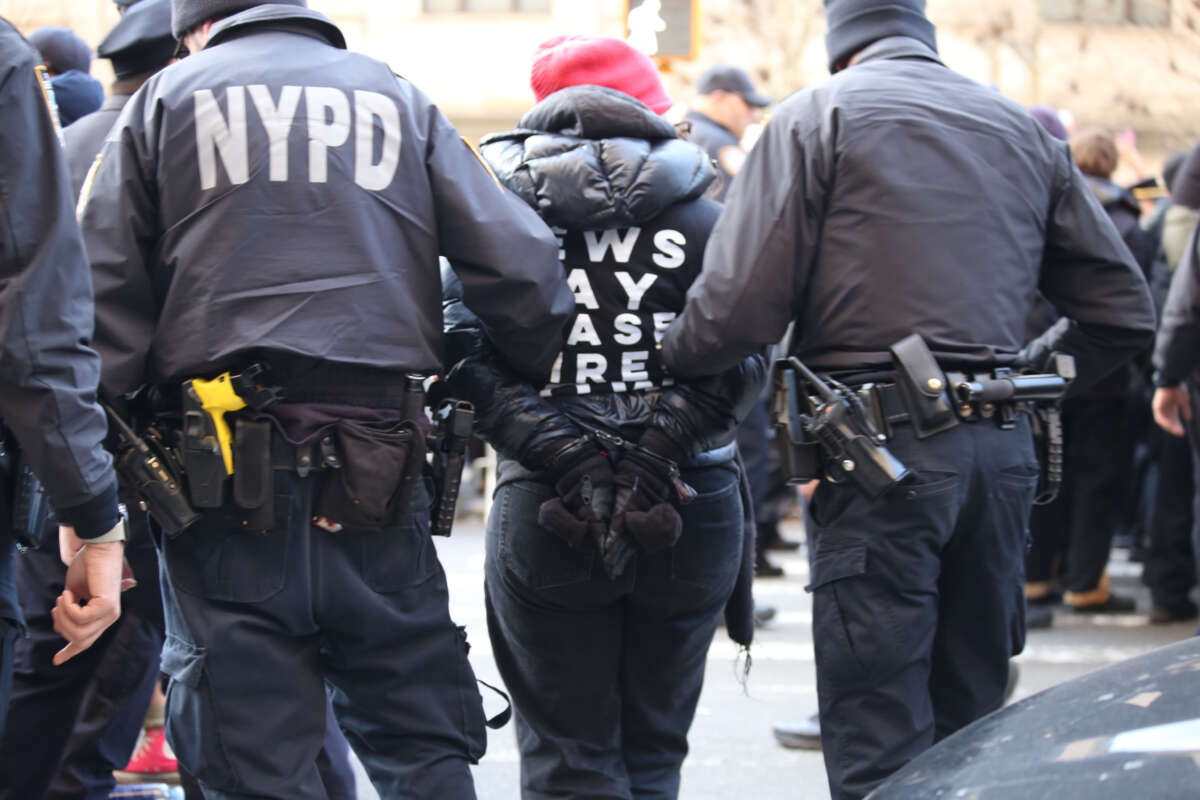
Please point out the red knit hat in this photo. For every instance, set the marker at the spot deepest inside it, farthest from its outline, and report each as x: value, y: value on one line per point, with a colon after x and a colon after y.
x: 598, y: 61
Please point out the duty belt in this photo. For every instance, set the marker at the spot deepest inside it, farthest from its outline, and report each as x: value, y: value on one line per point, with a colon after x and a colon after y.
x: 886, y: 406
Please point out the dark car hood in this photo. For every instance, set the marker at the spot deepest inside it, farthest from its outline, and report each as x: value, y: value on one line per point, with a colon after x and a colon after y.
x: 1125, y: 731
x: 589, y: 158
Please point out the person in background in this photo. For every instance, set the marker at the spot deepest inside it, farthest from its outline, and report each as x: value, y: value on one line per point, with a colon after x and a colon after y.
x: 68, y: 59
x: 725, y: 106
x: 1177, y: 349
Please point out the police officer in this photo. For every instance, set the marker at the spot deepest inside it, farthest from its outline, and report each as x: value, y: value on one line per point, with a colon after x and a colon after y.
x: 138, y: 46
x: 899, y: 197
x: 48, y: 374
x: 91, y: 709
x: 726, y: 104
x: 273, y: 199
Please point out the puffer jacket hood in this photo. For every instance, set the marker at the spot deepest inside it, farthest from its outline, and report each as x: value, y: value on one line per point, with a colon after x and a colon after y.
x: 592, y: 158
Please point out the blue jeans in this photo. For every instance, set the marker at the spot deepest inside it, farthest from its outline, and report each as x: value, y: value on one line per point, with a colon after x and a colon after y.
x: 605, y: 675
x: 257, y: 625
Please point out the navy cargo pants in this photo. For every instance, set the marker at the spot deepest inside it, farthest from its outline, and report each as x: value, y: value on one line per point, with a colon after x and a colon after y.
x: 918, y: 598
x: 257, y: 624
x: 605, y: 675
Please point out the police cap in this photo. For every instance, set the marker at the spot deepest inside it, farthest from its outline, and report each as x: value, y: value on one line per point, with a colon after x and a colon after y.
x: 141, y: 42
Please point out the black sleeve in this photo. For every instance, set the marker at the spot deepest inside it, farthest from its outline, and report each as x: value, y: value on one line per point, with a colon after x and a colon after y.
x: 505, y: 256
x: 700, y: 414
x: 509, y: 413
x: 48, y: 373
x: 1092, y: 280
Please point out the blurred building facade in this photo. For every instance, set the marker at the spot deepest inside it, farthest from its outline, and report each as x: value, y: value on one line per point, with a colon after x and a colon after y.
x: 1114, y: 63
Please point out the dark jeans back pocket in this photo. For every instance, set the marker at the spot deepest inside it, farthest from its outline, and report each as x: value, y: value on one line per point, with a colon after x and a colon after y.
x: 537, y: 557
x: 219, y: 558
x: 709, y: 552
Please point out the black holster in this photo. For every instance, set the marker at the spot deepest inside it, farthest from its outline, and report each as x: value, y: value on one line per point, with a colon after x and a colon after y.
x: 379, y: 464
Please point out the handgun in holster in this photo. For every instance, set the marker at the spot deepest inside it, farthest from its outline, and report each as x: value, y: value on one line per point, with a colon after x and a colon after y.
x: 453, y: 423
x: 852, y: 450
x: 799, y: 453
x: 207, y: 439
x: 147, y: 466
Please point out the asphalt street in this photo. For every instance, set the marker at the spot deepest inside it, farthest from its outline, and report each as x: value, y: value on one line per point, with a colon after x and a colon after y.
x: 733, y: 753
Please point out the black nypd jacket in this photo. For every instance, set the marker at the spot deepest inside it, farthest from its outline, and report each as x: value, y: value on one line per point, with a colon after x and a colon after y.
x: 48, y: 373
x: 275, y: 192
x: 900, y: 197
x: 624, y: 196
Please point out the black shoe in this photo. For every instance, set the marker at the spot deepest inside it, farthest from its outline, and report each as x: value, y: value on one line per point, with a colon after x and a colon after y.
x: 781, y: 545
x: 765, y: 569
x: 763, y: 615
x: 1052, y: 598
x: 1163, y: 615
x: 1115, y: 604
x: 802, y: 735
x: 1038, y: 618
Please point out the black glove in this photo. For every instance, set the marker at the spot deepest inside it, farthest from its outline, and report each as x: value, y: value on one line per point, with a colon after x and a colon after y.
x: 648, y: 490
x: 583, y: 478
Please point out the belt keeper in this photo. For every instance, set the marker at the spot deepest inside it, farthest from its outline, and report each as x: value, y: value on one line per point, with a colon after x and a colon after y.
x: 304, y: 459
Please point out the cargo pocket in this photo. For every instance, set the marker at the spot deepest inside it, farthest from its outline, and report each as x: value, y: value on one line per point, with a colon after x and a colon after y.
x: 1012, y: 494
x: 473, y: 720
x: 537, y: 557
x: 218, y: 558
x: 193, y: 728
x: 838, y: 629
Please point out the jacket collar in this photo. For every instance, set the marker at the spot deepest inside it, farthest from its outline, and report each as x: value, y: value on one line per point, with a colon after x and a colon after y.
x: 893, y: 47
x: 290, y: 17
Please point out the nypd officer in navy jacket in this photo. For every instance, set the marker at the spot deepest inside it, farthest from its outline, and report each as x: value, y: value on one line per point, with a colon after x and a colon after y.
x: 48, y: 373
x: 896, y: 198
x: 273, y: 198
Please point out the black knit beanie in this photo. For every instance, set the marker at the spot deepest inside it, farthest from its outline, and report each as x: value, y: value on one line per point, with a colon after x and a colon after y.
x: 854, y: 24
x: 187, y: 14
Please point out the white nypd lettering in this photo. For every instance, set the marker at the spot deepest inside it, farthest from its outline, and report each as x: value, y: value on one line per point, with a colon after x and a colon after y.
x: 636, y: 290
x: 583, y: 330
x: 277, y: 119
x: 216, y: 135
x: 369, y: 107
x: 330, y: 119
x: 670, y: 246
x: 324, y: 132
x: 577, y: 280
x: 621, y: 246
x: 628, y: 327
